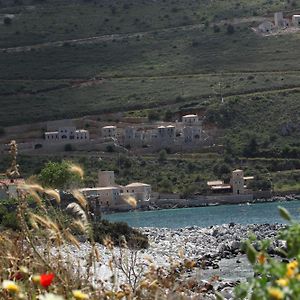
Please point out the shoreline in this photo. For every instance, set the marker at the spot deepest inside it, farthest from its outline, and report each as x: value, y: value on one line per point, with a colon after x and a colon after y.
x: 215, y: 250
x: 155, y: 207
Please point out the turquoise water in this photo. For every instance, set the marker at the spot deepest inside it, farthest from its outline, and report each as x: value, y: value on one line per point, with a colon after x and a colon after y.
x: 258, y: 213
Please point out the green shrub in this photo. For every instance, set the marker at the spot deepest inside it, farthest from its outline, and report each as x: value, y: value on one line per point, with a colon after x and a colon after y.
x: 117, y: 231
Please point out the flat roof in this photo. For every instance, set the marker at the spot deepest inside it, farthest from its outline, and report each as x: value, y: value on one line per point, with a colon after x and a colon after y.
x: 81, y: 130
x: 221, y: 187
x: 136, y: 184
x: 248, y: 177
x: 109, y: 126
x: 215, y: 182
x: 51, y: 132
x: 99, y: 189
x: 190, y: 116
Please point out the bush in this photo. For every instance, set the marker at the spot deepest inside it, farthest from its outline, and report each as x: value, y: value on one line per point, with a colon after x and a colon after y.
x: 153, y: 116
x: 68, y: 147
x: 117, y: 231
x: 7, y: 21
x: 230, y: 29
x: 276, y: 278
x: 216, y: 28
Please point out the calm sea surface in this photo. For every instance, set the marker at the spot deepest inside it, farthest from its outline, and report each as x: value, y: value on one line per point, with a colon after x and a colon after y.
x: 206, y: 216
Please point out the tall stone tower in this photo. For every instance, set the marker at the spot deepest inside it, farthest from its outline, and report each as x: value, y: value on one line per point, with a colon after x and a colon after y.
x: 106, y: 178
x: 237, y: 182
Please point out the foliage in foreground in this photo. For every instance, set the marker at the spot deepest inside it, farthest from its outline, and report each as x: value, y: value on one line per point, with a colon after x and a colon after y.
x: 274, y: 278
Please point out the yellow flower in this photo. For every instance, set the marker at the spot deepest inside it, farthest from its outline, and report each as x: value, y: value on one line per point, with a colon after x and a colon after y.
x: 275, y: 293
x: 291, y: 268
x: 261, y: 258
x: 79, y: 295
x: 36, y: 279
x: 10, y: 286
x: 282, y: 282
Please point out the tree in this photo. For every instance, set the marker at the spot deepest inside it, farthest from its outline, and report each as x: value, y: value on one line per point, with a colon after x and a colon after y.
x: 153, y: 116
x: 58, y: 175
x: 168, y: 116
x: 7, y: 21
x: 162, y: 155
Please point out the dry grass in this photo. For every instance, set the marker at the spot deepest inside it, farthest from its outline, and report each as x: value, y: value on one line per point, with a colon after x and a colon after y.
x: 40, y: 250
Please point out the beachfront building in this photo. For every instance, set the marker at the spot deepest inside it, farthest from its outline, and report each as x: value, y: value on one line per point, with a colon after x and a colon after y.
x: 110, y: 195
x: 67, y: 134
x: 109, y: 132
x: 106, y: 178
x: 296, y: 20
x: 140, y: 191
x: 107, y: 197
x: 237, y: 186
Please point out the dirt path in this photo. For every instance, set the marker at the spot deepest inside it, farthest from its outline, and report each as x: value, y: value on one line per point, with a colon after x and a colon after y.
x: 110, y: 37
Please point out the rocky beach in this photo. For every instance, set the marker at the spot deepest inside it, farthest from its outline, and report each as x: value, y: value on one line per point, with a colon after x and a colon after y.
x: 216, y: 251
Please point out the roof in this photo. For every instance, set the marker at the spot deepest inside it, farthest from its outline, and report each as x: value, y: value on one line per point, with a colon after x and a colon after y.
x: 248, y: 177
x: 137, y: 184
x: 160, y: 127
x: 7, y: 181
x: 297, y: 16
x: 215, y: 182
x: 99, y: 189
x: 109, y: 127
x: 221, y: 187
x: 170, y: 126
x: 81, y: 130
x: 237, y: 170
x: 190, y: 116
x: 51, y: 132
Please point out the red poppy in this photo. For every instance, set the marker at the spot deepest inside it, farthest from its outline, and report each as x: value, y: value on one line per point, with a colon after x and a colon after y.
x: 46, y: 279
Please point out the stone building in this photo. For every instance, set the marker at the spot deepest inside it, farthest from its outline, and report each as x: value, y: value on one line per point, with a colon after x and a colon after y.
x: 109, y: 131
x: 296, y: 20
x: 140, y: 191
x: 266, y: 27
x: 106, y: 178
x: 67, y: 134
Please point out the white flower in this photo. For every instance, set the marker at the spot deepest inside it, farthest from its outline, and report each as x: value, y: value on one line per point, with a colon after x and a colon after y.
x: 50, y: 296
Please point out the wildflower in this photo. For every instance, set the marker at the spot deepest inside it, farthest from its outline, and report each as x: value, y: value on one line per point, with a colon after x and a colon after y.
x: 291, y: 269
x: 10, y: 286
x: 36, y: 279
x: 261, y: 258
x: 282, y: 282
x: 50, y: 296
x: 79, y: 295
x: 46, y: 279
x: 275, y: 293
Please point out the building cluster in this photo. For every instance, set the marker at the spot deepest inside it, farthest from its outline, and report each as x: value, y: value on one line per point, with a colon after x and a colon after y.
x: 109, y: 195
x: 238, y: 184
x: 189, y: 132
x: 279, y: 23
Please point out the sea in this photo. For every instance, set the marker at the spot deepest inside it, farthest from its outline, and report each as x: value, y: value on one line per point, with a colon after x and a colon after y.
x: 256, y: 213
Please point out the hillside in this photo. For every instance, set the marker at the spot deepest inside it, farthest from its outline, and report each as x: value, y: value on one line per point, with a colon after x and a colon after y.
x: 64, y: 59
